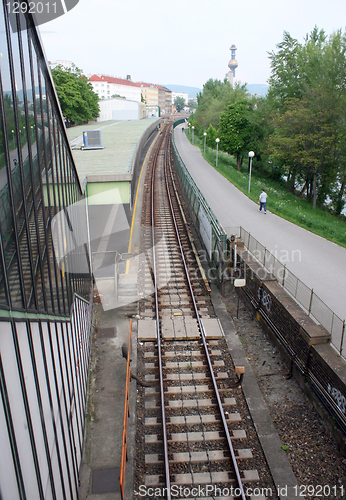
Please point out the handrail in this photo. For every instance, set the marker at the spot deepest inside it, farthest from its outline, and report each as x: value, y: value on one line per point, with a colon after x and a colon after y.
x: 197, y: 201
x: 304, y: 295
x: 124, y: 455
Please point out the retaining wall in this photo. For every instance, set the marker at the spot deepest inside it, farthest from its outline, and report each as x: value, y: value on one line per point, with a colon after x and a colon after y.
x: 136, y: 160
x: 316, y: 365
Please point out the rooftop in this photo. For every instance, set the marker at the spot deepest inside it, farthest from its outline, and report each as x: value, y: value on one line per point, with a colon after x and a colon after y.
x: 114, y: 162
x: 111, y: 79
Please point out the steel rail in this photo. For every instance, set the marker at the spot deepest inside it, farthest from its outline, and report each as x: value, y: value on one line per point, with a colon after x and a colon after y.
x: 225, y: 426
x: 158, y: 335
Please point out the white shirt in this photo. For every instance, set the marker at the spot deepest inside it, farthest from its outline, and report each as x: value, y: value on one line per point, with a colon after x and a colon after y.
x: 263, y: 196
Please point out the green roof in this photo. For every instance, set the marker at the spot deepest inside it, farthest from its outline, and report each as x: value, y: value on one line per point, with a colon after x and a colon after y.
x: 119, y: 140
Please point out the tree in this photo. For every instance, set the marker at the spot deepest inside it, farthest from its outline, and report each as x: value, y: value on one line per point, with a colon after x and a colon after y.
x: 305, y: 138
x: 179, y: 103
x: 212, y: 101
x: 211, y: 136
x: 192, y: 104
x: 285, y: 81
x: 78, y: 101
x: 308, y: 98
x: 237, y: 129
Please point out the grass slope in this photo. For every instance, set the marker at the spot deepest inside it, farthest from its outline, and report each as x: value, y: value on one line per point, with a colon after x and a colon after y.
x: 280, y: 201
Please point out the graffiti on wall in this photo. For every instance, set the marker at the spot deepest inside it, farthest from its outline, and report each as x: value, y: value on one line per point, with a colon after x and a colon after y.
x: 338, y: 397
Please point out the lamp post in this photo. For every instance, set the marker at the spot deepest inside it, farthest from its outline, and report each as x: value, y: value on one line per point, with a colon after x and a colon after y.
x: 14, y: 147
x: 217, y: 140
x: 193, y: 133
x: 205, y: 136
x: 251, y: 155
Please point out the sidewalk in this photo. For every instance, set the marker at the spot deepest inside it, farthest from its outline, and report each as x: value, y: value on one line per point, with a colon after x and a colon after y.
x: 319, y: 263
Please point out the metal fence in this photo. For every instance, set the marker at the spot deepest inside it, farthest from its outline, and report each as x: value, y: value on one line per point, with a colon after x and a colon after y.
x: 305, y: 296
x: 201, y: 211
x: 312, y: 363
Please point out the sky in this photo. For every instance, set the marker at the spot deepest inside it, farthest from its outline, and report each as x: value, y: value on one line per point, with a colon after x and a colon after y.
x: 184, y: 42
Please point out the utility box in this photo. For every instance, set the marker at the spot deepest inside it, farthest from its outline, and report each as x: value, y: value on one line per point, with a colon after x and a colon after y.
x: 92, y: 139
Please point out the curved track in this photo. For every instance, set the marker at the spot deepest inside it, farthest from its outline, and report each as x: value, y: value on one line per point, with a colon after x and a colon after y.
x: 189, y: 423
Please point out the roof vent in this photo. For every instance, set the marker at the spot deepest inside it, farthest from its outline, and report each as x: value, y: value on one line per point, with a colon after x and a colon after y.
x: 92, y: 139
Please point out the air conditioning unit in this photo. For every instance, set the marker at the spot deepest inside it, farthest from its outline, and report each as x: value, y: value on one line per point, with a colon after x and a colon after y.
x: 92, y: 139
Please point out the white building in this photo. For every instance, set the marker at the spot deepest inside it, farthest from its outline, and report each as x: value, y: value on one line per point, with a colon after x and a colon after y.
x: 121, y: 109
x: 107, y: 86
x: 184, y: 95
x: 61, y: 62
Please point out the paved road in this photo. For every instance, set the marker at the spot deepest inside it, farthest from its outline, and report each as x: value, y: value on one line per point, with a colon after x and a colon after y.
x: 320, y: 264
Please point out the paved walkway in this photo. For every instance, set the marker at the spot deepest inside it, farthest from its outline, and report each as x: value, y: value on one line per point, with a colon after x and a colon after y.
x: 320, y: 264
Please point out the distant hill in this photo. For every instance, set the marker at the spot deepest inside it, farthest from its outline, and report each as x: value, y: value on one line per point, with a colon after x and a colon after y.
x: 257, y: 88
x: 254, y: 88
x: 192, y: 91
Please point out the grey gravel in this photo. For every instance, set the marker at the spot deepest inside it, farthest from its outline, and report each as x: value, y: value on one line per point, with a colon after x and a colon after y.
x: 313, y: 454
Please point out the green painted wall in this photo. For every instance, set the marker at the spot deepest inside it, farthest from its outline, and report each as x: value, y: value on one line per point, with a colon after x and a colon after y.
x: 108, y: 193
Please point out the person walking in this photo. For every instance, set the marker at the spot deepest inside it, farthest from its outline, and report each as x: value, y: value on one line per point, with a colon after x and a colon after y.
x: 262, y: 200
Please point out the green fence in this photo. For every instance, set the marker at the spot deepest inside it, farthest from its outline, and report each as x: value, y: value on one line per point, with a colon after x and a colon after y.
x: 210, y: 230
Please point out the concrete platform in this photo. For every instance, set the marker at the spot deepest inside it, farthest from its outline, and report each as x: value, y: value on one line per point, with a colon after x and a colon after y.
x: 212, y: 328
x: 180, y: 328
x: 147, y: 330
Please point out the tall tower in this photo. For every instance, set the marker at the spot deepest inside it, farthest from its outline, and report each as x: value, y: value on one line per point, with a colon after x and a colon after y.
x: 233, y: 64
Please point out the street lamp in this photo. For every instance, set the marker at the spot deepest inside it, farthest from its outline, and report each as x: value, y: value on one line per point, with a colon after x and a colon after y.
x: 14, y: 147
x: 217, y: 140
x: 193, y: 133
x: 205, y: 136
x: 251, y: 155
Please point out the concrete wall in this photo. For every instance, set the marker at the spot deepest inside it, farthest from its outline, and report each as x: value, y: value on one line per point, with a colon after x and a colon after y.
x: 315, y: 364
x: 152, y: 111
x: 136, y: 162
x: 120, y: 109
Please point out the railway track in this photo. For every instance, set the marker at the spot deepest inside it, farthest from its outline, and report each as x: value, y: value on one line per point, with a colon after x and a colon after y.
x: 194, y: 435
